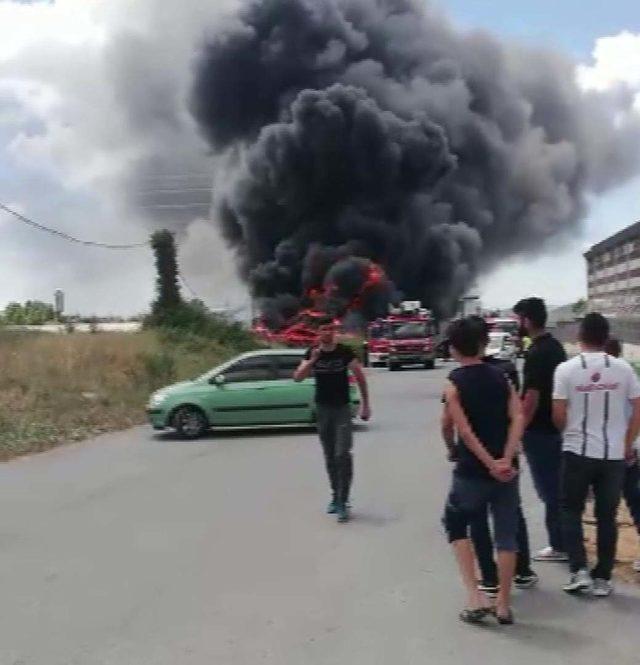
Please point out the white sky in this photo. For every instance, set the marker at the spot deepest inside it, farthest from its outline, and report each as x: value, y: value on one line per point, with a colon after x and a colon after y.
x: 67, y: 141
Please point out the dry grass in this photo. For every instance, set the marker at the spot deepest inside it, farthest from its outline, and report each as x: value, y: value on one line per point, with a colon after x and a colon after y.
x: 58, y: 388
x: 628, y: 543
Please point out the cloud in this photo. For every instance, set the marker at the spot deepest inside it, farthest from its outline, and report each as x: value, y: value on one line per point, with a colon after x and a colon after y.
x: 616, y: 64
x: 97, y: 140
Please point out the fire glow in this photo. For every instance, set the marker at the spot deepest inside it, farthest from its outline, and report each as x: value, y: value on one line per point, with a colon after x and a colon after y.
x: 321, y: 301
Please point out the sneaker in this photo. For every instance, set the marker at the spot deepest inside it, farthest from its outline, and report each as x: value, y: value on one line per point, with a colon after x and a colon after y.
x: 344, y: 513
x: 636, y: 565
x: 490, y: 589
x: 602, y: 588
x: 579, y: 582
x: 332, y: 508
x: 526, y: 581
x: 549, y: 554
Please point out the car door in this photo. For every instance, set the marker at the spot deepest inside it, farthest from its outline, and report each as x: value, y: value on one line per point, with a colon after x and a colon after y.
x: 292, y: 401
x: 243, y: 399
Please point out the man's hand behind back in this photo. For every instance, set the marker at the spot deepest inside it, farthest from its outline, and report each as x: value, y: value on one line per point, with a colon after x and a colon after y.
x: 502, y: 470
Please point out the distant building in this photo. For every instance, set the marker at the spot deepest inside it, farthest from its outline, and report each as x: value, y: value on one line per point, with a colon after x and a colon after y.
x: 613, y: 267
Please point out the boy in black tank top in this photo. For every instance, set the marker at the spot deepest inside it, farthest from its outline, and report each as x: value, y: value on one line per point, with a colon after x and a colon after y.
x: 486, y: 414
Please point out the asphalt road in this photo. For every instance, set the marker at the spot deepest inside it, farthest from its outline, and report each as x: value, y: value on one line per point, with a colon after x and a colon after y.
x: 139, y: 549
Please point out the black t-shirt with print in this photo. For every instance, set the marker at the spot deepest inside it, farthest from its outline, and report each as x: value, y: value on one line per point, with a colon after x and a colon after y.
x: 544, y: 355
x: 332, y: 375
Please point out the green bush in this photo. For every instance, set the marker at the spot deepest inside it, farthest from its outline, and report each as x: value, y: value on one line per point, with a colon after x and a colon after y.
x: 188, y: 321
x: 159, y: 367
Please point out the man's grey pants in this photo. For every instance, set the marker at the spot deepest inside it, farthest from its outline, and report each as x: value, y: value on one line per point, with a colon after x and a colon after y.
x: 336, y: 436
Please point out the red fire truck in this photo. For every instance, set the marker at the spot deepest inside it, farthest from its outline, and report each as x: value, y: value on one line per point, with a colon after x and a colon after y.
x: 405, y: 337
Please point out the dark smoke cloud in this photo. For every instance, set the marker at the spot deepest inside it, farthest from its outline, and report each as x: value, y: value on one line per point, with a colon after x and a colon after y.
x: 374, y: 126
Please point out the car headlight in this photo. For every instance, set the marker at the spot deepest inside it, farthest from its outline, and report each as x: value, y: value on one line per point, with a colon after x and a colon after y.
x: 157, y: 399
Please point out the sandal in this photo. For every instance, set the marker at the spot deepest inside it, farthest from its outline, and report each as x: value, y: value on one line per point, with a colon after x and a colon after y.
x: 507, y: 620
x: 474, y: 616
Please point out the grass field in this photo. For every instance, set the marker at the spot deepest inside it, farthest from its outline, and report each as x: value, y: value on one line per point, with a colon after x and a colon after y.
x: 58, y: 388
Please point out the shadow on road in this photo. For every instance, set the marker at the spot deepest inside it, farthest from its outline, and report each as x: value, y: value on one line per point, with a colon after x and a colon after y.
x: 371, y: 519
x: 251, y: 433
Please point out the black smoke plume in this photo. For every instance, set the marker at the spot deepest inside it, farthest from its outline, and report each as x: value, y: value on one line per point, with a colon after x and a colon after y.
x: 371, y: 129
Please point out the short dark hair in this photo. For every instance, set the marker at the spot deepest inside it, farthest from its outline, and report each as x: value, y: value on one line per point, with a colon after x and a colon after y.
x: 482, y: 325
x: 466, y: 336
x: 533, y: 309
x: 594, y: 330
x: 613, y: 347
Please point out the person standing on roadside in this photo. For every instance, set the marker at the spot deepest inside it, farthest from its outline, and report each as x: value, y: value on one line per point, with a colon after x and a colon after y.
x: 592, y: 396
x: 486, y: 415
x: 330, y: 363
x: 631, y: 487
x: 525, y: 577
x: 542, y: 442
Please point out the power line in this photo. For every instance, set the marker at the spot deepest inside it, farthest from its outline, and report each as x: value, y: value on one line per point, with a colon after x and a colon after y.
x: 187, y: 286
x: 66, y: 236
x: 174, y: 206
x: 173, y: 190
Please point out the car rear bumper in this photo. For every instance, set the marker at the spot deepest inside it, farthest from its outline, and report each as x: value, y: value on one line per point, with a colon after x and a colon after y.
x: 411, y: 357
x: 375, y: 358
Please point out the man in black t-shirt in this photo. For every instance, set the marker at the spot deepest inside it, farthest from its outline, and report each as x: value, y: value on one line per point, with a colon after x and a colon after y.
x: 542, y: 442
x: 525, y: 577
x: 331, y: 362
x: 485, y: 413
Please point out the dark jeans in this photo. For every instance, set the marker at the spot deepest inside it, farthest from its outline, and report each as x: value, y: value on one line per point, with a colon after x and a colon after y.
x: 544, y: 455
x: 631, y: 492
x: 336, y: 436
x: 483, y: 546
x: 607, y: 478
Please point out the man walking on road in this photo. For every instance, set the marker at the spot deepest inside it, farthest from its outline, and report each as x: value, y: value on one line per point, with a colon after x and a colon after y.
x: 542, y: 442
x: 331, y: 362
x: 486, y: 414
x: 591, y: 398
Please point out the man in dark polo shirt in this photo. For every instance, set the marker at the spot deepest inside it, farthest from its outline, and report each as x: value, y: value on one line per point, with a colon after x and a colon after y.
x: 542, y: 442
x: 330, y: 363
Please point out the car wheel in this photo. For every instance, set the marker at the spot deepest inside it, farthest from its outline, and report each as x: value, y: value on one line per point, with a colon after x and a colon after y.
x: 190, y: 422
x: 429, y: 364
x: 394, y: 367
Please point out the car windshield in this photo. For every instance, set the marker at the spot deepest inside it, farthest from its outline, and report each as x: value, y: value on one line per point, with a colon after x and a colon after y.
x: 510, y: 327
x: 496, y: 342
x: 376, y: 332
x: 213, y: 372
x: 410, y: 330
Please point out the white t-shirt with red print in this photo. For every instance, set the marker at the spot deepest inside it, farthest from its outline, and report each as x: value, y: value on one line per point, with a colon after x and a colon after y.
x: 598, y: 389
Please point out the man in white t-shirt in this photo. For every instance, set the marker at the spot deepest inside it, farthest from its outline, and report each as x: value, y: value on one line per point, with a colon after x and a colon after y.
x: 591, y: 398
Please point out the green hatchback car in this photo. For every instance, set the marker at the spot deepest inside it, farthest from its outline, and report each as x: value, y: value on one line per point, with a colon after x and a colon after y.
x: 253, y: 390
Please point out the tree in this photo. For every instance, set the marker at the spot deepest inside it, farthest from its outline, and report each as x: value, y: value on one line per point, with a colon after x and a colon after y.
x: 168, y: 292
x: 33, y: 313
x: 579, y: 307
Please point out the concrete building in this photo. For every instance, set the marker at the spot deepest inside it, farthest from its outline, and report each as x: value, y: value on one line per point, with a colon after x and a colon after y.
x: 613, y: 267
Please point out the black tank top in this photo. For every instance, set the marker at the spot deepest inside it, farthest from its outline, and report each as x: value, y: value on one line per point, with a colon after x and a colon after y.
x: 484, y: 395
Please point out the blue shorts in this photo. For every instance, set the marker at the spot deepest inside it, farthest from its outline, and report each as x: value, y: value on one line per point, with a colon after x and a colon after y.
x: 469, y: 497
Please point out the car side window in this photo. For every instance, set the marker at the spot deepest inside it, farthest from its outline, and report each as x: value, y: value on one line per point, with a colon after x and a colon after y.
x: 287, y: 365
x: 259, y: 368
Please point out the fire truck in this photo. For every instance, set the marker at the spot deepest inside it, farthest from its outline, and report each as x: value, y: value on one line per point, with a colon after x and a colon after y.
x: 405, y: 337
